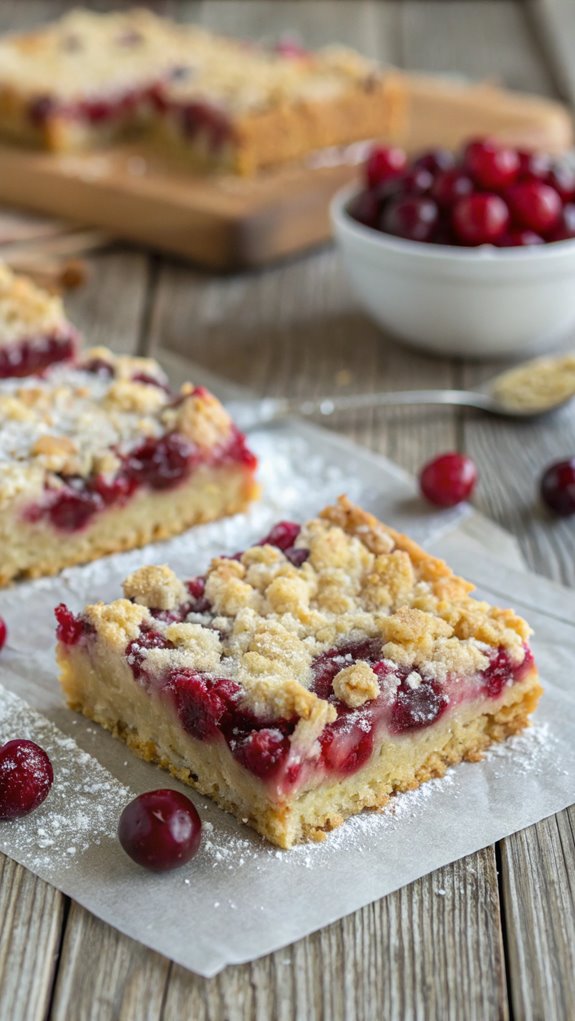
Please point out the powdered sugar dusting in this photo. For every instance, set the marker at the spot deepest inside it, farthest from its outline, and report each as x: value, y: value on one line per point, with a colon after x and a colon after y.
x: 83, y: 806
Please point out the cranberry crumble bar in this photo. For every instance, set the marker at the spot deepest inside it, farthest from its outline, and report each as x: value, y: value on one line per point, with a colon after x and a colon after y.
x: 102, y: 456
x: 34, y: 332
x: 311, y: 676
x: 226, y: 104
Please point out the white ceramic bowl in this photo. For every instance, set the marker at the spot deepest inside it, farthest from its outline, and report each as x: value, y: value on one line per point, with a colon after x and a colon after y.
x: 473, y: 302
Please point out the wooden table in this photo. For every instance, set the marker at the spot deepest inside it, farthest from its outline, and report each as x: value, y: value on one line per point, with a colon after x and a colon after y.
x: 501, y: 942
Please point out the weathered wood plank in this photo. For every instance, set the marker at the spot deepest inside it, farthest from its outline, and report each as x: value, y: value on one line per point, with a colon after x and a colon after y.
x: 104, y: 976
x: 538, y: 870
x: 31, y: 914
x: 111, y: 308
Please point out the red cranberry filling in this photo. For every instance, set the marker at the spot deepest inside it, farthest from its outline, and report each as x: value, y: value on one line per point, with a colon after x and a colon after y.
x: 26, y: 776
x: 418, y: 707
x: 70, y: 629
x: 263, y: 752
x: 283, y: 535
x: 200, y: 118
x: 347, y: 743
x: 329, y: 664
x: 136, y: 650
x: 29, y: 357
x: 202, y: 703
x: 162, y: 463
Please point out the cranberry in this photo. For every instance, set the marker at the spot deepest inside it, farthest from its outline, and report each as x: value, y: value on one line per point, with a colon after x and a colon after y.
x: 26, y: 776
x: 98, y: 367
x: 533, y: 166
x: 149, y: 380
x: 491, y: 166
x: 448, y: 479
x: 238, y: 452
x: 329, y: 663
x: 436, y: 160
x: 417, y: 707
x: 497, y: 674
x: 345, y: 748
x: 136, y: 650
x: 535, y: 205
x: 417, y: 181
x: 564, y: 230
x: 518, y: 238
x: 29, y: 357
x: 298, y: 556
x: 451, y: 185
x: 70, y: 628
x: 196, y: 587
x: 383, y: 163
x: 116, y: 490
x: 562, y: 179
x: 480, y: 219
x: 3, y: 633
x: 283, y: 535
x: 365, y: 208
x: 161, y: 463
x: 558, y: 487
x: 202, y: 703
x: 71, y: 509
x: 263, y: 751
x: 160, y: 830
x: 413, y: 218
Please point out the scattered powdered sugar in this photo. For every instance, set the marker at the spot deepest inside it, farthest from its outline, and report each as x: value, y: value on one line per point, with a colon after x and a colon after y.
x: 532, y: 749
x: 82, y: 807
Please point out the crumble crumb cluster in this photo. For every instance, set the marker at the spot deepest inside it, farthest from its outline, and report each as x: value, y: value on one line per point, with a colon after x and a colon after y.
x: 34, y: 331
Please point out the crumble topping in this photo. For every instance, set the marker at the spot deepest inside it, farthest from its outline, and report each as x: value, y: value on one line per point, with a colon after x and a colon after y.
x: 356, y: 684
x: 80, y: 420
x: 86, y: 54
x: 27, y: 311
x: 263, y: 621
x: 155, y: 587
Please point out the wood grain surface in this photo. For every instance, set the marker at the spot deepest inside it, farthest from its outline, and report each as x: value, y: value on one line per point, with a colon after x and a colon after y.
x: 487, y: 938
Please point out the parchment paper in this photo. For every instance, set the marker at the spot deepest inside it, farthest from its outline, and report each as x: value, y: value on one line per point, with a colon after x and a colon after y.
x: 240, y: 897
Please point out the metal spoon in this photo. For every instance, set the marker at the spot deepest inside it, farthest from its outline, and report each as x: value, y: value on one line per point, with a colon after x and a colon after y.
x: 491, y: 397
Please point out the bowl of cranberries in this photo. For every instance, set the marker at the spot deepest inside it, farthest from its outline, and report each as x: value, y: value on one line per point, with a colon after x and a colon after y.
x: 469, y: 254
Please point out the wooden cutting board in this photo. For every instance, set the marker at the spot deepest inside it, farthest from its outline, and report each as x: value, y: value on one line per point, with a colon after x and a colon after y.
x: 228, y: 222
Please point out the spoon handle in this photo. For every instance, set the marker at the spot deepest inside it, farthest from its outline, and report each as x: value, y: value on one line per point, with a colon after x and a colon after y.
x: 250, y: 414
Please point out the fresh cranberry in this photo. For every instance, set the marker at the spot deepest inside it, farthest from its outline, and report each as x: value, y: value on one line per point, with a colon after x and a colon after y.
x: 558, y: 487
x: 562, y: 179
x: 161, y: 463
x: 345, y: 748
x: 448, y: 479
x: 564, y: 230
x: 449, y: 186
x: 26, y: 776
x: 71, y: 509
x: 202, y: 702
x: 70, y: 628
x: 518, y: 238
x: 263, y: 751
x: 497, y: 675
x: 436, y: 160
x: 417, y: 181
x: 413, y: 218
x: 383, y: 163
x: 480, y: 219
x: 136, y: 650
x: 365, y: 208
x: 283, y: 535
x: 493, y: 167
x: 3, y: 633
x: 533, y: 166
x: 417, y: 707
x: 27, y: 358
x: 160, y: 830
x: 534, y: 205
